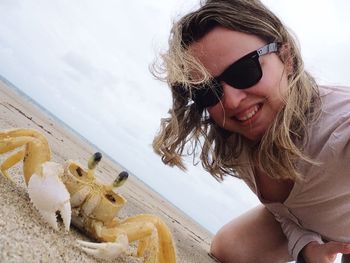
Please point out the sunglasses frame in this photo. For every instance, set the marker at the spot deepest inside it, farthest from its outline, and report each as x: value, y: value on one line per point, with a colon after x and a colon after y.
x: 209, y: 94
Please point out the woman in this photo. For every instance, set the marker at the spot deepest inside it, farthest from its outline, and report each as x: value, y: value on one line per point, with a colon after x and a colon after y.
x: 243, y: 104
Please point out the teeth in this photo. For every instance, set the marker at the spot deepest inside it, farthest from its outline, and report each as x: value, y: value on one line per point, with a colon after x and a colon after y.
x: 249, y: 114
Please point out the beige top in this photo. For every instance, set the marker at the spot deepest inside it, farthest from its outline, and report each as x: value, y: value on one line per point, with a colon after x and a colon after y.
x: 319, y: 207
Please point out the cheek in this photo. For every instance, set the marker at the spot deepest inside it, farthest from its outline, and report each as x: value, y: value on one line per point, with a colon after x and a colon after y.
x: 216, y: 113
x: 274, y: 82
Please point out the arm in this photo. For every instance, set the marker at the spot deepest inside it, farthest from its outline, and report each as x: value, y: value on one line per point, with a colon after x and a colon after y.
x: 297, y: 237
x: 329, y: 145
x: 307, y: 246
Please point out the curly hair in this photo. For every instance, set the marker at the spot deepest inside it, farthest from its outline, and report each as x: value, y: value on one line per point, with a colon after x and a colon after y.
x: 189, y: 131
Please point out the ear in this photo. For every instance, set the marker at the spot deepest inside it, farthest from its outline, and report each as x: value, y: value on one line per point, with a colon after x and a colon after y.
x: 286, y: 56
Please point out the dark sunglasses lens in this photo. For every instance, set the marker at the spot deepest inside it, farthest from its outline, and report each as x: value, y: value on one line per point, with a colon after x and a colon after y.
x: 243, y: 74
x: 207, y: 95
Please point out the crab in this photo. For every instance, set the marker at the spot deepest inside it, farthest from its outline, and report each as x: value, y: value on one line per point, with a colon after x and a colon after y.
x: 80, y: 198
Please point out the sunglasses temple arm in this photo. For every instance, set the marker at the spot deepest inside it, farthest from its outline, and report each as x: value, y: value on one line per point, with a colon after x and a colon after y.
x: 272, y: 47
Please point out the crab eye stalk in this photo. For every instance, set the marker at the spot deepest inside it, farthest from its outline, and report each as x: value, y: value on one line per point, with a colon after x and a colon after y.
x: 94, y: 160
x: 121, y: 178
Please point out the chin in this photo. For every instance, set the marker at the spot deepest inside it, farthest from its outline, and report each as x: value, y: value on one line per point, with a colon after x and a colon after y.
x: 253, y: 138
x: 256, y: 136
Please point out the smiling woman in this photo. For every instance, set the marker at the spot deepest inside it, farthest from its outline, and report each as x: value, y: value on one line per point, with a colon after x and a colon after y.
x: 244, y: 104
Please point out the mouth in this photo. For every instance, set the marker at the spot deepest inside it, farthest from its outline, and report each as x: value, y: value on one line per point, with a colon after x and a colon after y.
x: 248, y: 115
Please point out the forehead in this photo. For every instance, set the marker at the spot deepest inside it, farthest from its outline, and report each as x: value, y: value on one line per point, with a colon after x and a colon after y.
x: 220, y: 47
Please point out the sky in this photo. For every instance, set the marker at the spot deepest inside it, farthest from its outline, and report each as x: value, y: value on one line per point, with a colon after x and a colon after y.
x: 87, y: 62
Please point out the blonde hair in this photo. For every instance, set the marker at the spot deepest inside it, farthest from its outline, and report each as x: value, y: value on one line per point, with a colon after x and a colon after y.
x: 190, y: 131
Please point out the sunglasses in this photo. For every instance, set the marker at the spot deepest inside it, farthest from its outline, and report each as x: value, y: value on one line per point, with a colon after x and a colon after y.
x: 242, y: 74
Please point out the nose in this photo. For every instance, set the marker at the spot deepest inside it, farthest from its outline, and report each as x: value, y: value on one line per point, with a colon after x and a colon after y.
x: 232, y: 97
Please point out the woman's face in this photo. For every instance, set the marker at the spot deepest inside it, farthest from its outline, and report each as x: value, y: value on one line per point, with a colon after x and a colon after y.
x: 250, y: 111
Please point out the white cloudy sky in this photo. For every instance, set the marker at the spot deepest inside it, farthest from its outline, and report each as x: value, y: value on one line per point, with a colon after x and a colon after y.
x: 87, y: 62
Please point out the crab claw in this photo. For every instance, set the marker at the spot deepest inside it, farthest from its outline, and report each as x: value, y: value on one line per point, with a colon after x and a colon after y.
x: 108, y: 250
x: 49, y: 194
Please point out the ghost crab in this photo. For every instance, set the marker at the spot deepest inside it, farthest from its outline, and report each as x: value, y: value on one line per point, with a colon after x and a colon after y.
x: 75, y: 193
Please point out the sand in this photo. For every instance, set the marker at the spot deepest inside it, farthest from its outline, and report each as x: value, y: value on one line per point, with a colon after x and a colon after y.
x: 25, y: 237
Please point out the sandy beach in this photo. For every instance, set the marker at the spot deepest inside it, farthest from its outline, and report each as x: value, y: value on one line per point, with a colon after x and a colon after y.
x: 25, y: 237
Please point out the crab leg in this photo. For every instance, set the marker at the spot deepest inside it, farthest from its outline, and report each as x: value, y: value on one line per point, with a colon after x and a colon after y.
x: 37, y: 148
x: 11, y: 161
x: 151, y: 249
x: 8, y: 144
x: 142, y: 246
x: 166, y: 251
x: 155, y: 241
x: 118, y: 238
x: 108, y: 250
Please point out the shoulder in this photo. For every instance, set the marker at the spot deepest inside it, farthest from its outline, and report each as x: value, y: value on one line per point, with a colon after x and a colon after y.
x: 330, y: 133
x: 328, y: 136
x: 335, y: 100
x: 335, y: 109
